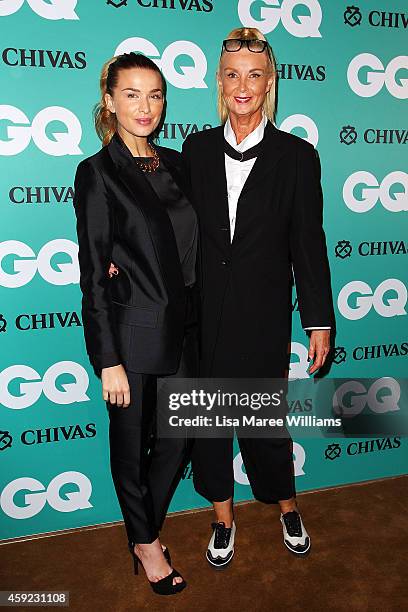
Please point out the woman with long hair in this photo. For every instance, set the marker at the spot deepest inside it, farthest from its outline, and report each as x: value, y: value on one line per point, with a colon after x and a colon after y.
x: 137, y: 234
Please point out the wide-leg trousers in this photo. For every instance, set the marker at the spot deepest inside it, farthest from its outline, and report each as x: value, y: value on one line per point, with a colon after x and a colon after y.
x: 146, y: 469
x: 268, y: 462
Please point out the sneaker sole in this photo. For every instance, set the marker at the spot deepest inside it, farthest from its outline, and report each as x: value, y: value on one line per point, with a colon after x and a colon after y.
x: 222, y: 565
x: 298, y: 553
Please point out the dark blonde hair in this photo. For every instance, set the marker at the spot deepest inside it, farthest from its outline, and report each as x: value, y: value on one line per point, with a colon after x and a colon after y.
x: 105, y: 121
x: 269, y: 106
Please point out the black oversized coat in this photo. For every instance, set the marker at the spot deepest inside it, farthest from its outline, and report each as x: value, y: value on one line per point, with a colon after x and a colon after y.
x: 246, y: 286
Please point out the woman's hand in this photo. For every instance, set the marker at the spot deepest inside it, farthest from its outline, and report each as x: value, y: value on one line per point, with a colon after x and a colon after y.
x: 115, y: 386
x: 113, y: 270
x: 319, y: 348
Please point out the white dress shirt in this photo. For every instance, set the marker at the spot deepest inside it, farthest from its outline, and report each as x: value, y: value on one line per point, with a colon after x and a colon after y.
x: 237, y: 172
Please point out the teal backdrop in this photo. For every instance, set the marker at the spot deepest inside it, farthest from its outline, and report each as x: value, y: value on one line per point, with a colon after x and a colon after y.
x: 343, y: 86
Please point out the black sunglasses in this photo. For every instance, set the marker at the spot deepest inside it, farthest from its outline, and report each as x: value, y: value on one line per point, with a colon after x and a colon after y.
x: 231, y: 45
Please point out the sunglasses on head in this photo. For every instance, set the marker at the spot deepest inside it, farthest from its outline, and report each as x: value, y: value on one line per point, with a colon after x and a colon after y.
x: 254, y: 44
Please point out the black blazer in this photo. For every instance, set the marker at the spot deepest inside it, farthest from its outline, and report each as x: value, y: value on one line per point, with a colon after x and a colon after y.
x: 135, y: 318
x: 246, y: 285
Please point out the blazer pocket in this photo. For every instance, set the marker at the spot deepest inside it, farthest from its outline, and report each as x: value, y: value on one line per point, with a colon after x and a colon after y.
x: 135, y: 315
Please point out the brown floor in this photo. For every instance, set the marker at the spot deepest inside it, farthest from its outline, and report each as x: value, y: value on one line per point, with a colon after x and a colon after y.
x: 358, y: 560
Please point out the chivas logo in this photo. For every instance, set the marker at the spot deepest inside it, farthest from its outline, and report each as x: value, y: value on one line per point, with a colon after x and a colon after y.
x: 371, y: 446
x: 348, y: 135
x: 380, y: 351
x: 352, y: 16
x: 298, y: 406
x: 339, y: 355
x: 41, y: 195
x: 41, y: 58
x: 333, y: 451
x: 170, y: 131
x: 301, y: 72
x: 5, y: 440
x: 376, y: 136
x: 117, y: 3
x: 47, y: 320
x: 343, y: 249
x: 205, y: 6
x: 58, y: 434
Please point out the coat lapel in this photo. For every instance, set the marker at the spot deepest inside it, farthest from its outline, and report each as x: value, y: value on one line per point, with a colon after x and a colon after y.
x: 157, y: 219
x: 217, y: 213
x: 271, y: 152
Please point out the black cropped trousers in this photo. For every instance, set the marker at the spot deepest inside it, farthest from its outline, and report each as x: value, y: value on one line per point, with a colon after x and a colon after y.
x: 268, y: 462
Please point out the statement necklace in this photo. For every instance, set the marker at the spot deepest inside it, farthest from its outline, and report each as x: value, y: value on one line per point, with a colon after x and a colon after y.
x: 149, y: 166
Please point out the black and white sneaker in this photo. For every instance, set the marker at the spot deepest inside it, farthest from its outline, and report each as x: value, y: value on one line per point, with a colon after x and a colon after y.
x: 295, y: 535
x: 221, y: 546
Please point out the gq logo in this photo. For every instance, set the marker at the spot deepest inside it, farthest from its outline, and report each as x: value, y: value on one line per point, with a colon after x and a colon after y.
x: 274, y: 11
x: 367, y: 299
x: 29, y: 392
x: 189, y: 77
x: 298, y: 369
x: 376, y: 80
x: 34, y: 502
x: 298, y: 462
x: 304, y: 122
x: 372, y: 191
x: 48, y: 9
x: 358, y: 397
x: 19, y: 136
x: 27, y: 264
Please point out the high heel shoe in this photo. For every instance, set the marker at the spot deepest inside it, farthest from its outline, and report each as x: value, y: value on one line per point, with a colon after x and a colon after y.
x: 164, y: 586
x: 166, y: 552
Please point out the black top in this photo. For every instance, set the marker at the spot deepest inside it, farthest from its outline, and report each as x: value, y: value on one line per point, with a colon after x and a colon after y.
x: 182, y: 216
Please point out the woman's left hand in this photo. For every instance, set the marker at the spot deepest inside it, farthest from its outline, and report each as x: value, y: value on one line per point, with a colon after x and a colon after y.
x: 113, y: 270
x: 319, y: 348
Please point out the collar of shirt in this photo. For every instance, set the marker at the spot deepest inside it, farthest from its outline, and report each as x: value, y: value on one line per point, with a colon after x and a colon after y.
x: 250, y: 141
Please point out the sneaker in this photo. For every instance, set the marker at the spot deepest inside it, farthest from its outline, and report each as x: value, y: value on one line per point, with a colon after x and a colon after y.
x: 221, y: 546
x: 295, y: 535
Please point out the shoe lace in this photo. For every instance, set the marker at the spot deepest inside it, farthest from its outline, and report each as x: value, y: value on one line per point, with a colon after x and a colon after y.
x: 292, y: 522
x: 222, y: 535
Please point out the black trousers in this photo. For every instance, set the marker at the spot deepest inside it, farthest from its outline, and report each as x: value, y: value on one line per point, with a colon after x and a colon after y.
x: 146, y: 469
x: 268, y: 461
x: 268, y: 464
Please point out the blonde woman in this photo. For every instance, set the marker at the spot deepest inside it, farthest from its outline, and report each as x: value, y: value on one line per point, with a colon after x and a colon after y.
x: 257, y: 193
x: 139, y: 320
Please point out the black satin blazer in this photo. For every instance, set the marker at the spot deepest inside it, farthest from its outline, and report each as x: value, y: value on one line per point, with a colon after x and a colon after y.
x: 137, y: 317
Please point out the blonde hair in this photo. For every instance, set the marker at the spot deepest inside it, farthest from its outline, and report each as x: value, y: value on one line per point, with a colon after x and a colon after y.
x: 269, y: 105
x: 105, y: 121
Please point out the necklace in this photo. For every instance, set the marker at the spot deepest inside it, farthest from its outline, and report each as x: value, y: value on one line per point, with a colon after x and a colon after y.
x: 150, y: 166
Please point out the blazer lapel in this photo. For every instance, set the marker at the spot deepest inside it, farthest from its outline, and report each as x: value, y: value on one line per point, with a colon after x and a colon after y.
x: 157, y: 219
x: 271, y: 152
x: 218, y: 213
